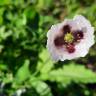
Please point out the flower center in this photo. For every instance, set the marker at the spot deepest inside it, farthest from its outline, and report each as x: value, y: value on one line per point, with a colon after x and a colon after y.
x: 68, y: 38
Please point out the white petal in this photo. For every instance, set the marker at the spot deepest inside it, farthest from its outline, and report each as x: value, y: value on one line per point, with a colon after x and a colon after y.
x: 88, y: 40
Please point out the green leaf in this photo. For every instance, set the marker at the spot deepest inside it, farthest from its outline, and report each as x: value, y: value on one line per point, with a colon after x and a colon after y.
x: 41, y: 87
x: 30, y: 12
x: 4, y: 2
x: 72, y: 72
x: 18, y: 2
x: 3, y: 66
x: 43, y: 4
x: 8, y: 78
x: 1, y: 15
x: 3, y: 33
x: 23, y: 72
x: 45, y: 64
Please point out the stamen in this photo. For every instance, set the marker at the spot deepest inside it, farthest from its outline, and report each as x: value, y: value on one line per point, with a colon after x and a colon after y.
x: 78, y: 35
x: 68, y: 38
x: 66, y: 29
x: 59, y: 41
x: 70, y: 48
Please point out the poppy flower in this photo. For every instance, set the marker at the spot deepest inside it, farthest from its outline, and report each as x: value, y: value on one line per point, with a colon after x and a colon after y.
x: 70, y: 39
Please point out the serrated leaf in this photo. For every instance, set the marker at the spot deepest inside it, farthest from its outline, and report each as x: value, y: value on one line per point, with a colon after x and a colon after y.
x: 72, y: 72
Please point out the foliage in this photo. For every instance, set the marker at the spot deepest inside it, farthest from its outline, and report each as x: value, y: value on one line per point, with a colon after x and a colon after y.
x: 24, y: 60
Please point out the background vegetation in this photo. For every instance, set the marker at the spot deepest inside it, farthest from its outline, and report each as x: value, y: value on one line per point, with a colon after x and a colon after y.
x: 24, y: 59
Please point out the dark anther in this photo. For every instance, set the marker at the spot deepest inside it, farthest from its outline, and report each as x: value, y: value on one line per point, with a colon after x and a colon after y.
x: 78, y: 35
x: 66, y: 29
x: 59, y: 41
